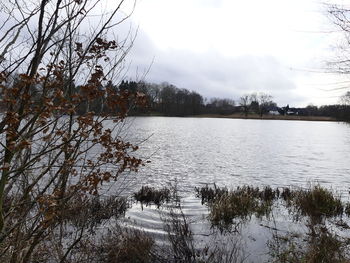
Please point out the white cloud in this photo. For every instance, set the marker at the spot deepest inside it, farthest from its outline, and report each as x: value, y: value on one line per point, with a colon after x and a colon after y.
x: 227, y: 48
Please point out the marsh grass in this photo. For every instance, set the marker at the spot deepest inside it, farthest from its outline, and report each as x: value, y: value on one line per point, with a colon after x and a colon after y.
x: 126, y: 246
x: 229, y: 209
x: 149, y: 195
x: 116, y: 244
x: 180, y: 237
x: 209, y: 194
x: 320, y: 245
x: 347, y: 209
x: 232, y: 207
x: 184, y: 249
x: 94, y: 210
x: 315, y: 202
x: 325, y: 246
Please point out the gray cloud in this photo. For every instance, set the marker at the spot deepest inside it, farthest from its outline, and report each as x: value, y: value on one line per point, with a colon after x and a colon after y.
x: 214, y: 75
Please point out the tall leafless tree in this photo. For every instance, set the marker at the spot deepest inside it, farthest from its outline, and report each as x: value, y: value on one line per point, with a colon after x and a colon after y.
x: 48, y: 49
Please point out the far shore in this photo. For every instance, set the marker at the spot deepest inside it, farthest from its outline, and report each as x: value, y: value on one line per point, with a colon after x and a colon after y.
x: 252, y: 117
x: 268, y: 117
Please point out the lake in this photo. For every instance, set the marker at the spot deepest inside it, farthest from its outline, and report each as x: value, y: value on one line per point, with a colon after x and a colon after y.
x: 195, y: 151
x: 190, y: 152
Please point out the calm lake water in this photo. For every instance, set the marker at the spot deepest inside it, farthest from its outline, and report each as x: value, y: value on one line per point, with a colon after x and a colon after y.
x: 190, y: 152
x: 196, y: 151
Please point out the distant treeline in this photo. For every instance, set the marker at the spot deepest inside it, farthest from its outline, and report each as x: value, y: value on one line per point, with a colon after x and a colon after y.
x: 166, y: 99
x: 337, y: 111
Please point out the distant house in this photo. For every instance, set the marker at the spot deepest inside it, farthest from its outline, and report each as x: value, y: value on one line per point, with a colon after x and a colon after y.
x: 274, y: 112
x: 288, y: 111
x: 292, y: 112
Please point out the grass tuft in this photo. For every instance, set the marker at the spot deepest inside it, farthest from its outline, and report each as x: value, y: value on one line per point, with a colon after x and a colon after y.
x: 243, y: 202
x: 150, y: 195
x: 316, y: 202
x: 133, y: 246
x: 320, y: 246
x: 93, y: 211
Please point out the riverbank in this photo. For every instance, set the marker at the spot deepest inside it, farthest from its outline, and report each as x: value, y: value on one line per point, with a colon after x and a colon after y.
x: 267, y: 117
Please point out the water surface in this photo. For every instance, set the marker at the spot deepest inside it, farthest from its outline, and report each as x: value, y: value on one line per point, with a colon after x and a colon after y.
x: 192, y: 152
x: 196, y: 151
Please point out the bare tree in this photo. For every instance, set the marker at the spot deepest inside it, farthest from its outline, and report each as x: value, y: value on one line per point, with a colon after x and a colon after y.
x: 258, y: 103
x: 244, y: 102
x: 57, y: 57
x: 345, y: 99
x: 340, y: 16
x: 254, y: 102
x: 265, y: 102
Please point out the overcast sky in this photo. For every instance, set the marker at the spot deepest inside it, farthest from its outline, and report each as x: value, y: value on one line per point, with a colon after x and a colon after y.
x: 226, y: 48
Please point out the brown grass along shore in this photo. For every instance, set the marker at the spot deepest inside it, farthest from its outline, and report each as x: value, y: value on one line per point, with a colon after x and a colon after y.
x: 267, y: 117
